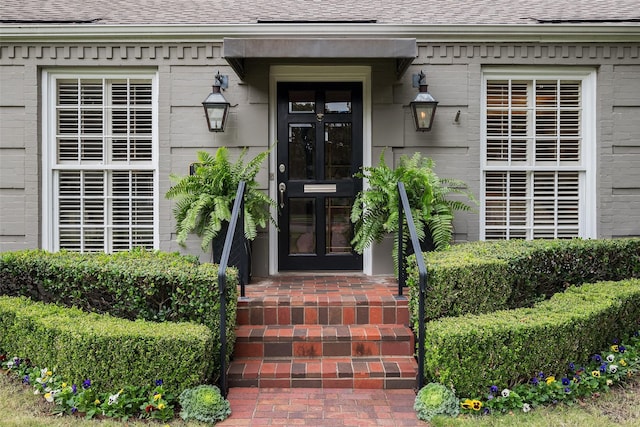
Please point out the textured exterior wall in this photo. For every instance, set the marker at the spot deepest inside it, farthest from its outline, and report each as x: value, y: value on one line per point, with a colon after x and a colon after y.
x: 186, y: 72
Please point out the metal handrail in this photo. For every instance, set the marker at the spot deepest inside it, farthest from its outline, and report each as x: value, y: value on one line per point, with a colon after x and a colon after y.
x: 404, y: 208
x: 237, y: 220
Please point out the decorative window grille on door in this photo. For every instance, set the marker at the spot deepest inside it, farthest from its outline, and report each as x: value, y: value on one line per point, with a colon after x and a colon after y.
x: 533, y: 158
x: 103, y: 170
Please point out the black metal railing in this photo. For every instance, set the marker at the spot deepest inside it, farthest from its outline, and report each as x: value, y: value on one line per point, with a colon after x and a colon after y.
x: 235, y: 225
x: 405, y: 210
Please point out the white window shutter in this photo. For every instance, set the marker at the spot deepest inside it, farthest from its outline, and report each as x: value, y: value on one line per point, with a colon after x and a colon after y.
x: 104, y: 164
x: 533, y: 158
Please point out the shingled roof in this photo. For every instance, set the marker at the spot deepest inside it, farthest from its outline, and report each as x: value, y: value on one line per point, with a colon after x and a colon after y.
x: 209, y: 12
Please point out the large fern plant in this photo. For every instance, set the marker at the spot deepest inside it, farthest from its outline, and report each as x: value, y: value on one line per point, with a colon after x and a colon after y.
x: 205, y: 199
x: 375, y: 209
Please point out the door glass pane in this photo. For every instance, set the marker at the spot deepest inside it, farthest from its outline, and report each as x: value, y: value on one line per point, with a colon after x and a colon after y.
x: 338, y: 233
x: 337, y: 101
x: 302, y: 226
x: 337, y: 150
x: 302, y: 101
x: 302, y: 147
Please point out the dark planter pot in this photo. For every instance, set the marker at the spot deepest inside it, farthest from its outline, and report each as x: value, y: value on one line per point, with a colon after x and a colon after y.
x: 426, y: 245
x: 240, y: 255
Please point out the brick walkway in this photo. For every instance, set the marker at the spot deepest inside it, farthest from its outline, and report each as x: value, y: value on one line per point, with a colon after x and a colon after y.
x: 321, y: 407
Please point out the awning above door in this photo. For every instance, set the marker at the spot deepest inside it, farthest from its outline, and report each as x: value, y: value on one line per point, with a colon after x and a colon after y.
x: 237, y: 50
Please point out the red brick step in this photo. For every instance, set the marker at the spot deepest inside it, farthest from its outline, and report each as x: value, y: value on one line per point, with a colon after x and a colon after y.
x: 312, y: 341
x: 328, y: 372
x: 330, y: 331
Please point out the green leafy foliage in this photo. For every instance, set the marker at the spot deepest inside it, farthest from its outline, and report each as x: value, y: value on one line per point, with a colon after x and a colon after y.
x: 204, y: 403
x: 436, y: 399
x: 578, y: 380
x: 509, y: 346
x: 83, y: 399
x: 375, y: 209
x: 205, y: 199
x: 140, y: 284
x: 113, y: 353
x: 509, y: 282
x: 482, y: 277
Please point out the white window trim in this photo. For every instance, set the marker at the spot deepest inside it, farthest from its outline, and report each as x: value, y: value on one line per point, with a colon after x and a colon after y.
x: 321, y: 73
x: 49, y: 77
x: 588, y: 183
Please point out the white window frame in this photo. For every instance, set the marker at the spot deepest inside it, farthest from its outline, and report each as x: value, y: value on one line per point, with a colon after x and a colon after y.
x: 49, y: 163
x: 587, y: 167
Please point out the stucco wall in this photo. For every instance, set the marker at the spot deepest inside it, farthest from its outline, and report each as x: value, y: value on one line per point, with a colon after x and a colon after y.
x: 186, y: 72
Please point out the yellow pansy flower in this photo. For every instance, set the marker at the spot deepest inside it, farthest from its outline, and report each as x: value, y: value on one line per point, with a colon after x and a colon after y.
x: 595, y: 374
x: 551, y: 380
x: 467, y: 404
x: 161, y: 406
x: 97, y: 402
x: 157, y: 396
x: 476, y: 405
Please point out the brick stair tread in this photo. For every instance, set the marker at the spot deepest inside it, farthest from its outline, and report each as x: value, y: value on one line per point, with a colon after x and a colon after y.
x: 324, y: 300
x: 324, y: 333
x: 347, y: 372
x: 313, y: 312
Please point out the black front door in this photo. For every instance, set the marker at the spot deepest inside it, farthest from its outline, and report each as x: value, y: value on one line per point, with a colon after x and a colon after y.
x: 319, y: 150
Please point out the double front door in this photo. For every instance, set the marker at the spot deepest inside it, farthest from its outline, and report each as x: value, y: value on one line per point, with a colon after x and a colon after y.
x: 319, y: 150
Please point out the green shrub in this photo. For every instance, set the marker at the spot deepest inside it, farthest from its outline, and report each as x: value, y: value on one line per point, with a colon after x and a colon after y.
x: 140, y: 284
x: 436, y: 399
x: 204, y: 403
x: 113, y: 353
x: 482, y: 277
x: 473, y: 352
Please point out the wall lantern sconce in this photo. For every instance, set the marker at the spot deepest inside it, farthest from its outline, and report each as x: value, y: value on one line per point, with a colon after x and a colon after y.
x: 216, y: 107
x: 423, y: 107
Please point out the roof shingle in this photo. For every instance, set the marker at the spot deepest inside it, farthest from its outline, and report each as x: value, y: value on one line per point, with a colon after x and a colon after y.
x: 203, y: 12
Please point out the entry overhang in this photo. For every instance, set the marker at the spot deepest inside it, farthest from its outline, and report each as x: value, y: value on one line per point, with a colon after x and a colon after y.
x: 402, y: 50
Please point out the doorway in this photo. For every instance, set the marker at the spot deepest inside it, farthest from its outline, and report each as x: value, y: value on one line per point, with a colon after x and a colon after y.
x: 320, y: 142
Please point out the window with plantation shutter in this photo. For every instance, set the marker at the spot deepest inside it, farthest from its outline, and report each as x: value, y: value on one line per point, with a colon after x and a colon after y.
x: 101, y: 161
x: 537, y: 156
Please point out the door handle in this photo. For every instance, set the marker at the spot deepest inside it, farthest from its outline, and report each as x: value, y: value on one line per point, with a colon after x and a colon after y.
x: 282, y: 187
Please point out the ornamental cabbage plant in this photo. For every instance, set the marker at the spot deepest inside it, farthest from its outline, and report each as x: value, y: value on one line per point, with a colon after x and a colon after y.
x: 436, y: 399
x: 204, y: 403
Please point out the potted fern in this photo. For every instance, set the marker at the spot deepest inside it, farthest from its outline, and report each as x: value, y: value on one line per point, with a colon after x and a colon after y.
x: 375, y: 209
x: 205, y: 199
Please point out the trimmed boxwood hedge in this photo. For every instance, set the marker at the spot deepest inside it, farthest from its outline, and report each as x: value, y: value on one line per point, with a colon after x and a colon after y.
x: 472, y: 352
x: 529, y: 323
x: 482, y: 277
x: 139, y: 284
x: 111, y: 352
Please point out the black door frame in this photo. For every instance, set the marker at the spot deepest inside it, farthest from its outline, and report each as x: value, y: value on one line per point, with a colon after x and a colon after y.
x: 295, y: 188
